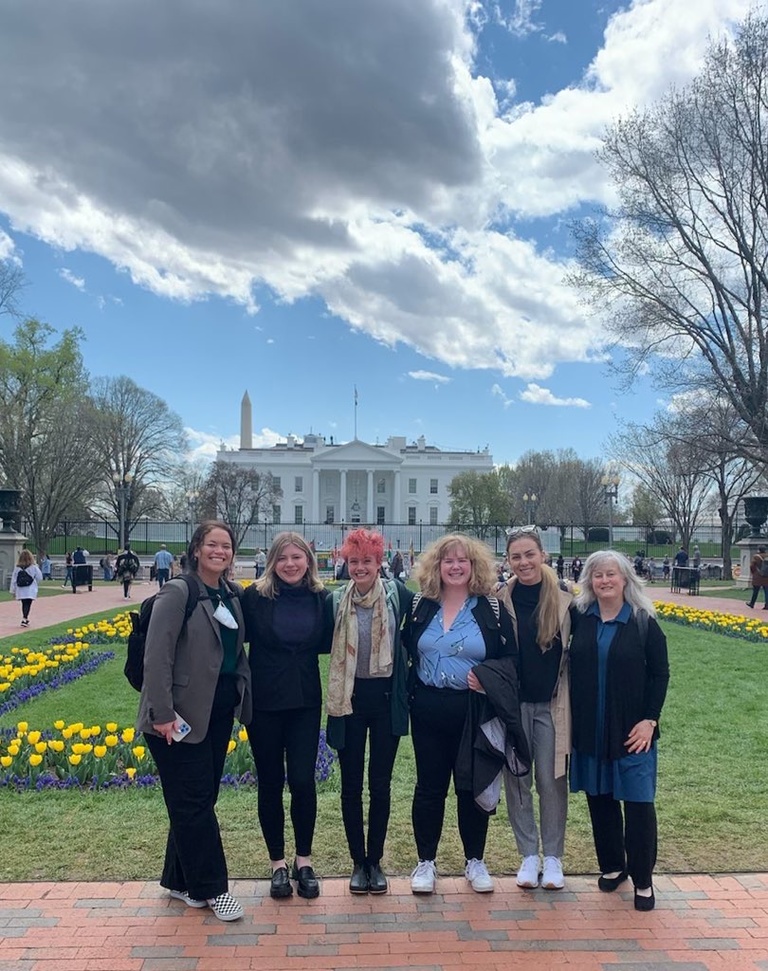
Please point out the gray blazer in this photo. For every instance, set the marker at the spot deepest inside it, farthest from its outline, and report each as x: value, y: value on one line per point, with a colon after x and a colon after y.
x: 181, y: 667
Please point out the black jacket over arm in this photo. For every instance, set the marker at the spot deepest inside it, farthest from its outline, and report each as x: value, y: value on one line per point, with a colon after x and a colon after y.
x: 283, y: 678
x: 636, y: 683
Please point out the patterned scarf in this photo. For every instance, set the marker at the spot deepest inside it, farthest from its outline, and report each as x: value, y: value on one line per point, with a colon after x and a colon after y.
x: 343, y: 666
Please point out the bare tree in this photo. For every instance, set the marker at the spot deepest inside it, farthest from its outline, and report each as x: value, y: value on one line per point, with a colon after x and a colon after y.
x: 680, y: 269
x: 238, y: 495
x: 46, y: 425
x: 11, y: 284
x: 140, y: 440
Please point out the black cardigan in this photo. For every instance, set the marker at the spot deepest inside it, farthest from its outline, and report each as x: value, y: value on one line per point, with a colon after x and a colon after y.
x: 636, y: 683
x: 283, y: 679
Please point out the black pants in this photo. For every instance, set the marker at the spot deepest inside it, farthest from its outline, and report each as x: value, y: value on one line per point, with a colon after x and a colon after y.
x: 627, y: 843
x: 26, y: 605
x: 190, y: 775
x: 162, y: 576
x: 756, y: 594
x: 284, y: 745
x: 437, y: 722
x: 370, y: 718
x: 127, y: 579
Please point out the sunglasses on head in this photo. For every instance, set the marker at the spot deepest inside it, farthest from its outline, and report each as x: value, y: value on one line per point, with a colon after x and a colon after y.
x: 522, y: 531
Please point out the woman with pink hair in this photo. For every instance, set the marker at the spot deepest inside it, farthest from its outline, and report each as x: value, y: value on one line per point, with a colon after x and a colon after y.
x: 367, y: 700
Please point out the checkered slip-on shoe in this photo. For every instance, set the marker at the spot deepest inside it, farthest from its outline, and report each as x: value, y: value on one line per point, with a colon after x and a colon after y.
x: 225, y: 907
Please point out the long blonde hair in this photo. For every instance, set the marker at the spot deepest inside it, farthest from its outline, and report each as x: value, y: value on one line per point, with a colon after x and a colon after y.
x: 482, y: 579
x: 547, y: 613
x: 267, y: 584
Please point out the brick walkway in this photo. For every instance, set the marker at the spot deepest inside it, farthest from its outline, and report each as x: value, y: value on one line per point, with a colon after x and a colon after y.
x: 701, y: 922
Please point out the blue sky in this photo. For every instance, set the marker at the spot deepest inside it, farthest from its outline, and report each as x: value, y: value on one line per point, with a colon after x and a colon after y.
x: 295, y: 199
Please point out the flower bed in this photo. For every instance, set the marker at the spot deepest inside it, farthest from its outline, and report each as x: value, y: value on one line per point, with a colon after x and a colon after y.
x: 731, y: 625
x: 96, y: 757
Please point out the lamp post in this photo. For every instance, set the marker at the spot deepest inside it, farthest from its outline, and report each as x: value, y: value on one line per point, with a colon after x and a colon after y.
x: 191, y: 498
x: 531, y: 502
x: 610, y: 484
x: 123, y: 484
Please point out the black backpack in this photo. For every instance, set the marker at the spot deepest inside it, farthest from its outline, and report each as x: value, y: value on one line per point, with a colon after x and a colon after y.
x: 137, y: 639
x: 24, y: 579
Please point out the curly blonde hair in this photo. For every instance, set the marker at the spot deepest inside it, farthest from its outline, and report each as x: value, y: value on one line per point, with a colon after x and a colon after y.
x: 482, y: 579
x: 267, y: 585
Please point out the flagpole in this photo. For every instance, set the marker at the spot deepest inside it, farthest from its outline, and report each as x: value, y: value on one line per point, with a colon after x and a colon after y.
x: 355, y: 412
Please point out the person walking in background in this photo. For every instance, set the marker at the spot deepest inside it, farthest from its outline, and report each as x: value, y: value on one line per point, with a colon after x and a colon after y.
x: 46, y: 566
x: 757, y: 564
x: 24, y: 583
x: 367, y: 700
x: 287, y: 628
x: 452, y: 628
x: 619, y: 678
x: 69, y: 567
x: 541, y: 614
x: 163, y: 563
x: 196, y: 674
x: 127, y: 566
x: 260, y: 563
x: 576, y: 567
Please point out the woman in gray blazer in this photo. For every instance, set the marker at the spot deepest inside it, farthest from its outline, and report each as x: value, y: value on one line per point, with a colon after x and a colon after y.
x: 196, y: 682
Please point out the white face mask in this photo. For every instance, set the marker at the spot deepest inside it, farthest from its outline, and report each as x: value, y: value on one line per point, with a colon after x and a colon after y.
x: 224, y: 616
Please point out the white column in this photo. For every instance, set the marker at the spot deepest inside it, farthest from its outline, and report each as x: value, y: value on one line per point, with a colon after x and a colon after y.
x: 317, y: 516
x: 397, y: 511
x: 369, y: 504
x: 343, y: 496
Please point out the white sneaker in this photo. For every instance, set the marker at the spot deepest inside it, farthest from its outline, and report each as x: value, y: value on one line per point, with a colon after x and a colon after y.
x: 477, y: 873
x: 528, y: 874
x: 189, y: 901
x: 225, y: 907
x: 553, y: 874
x: 423, y: 877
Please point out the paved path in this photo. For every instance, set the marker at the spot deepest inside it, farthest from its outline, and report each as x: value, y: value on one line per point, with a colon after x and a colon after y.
x: 701, y: 922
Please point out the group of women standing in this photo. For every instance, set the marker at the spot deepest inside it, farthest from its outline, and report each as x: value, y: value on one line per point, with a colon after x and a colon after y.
x: 487, y: 679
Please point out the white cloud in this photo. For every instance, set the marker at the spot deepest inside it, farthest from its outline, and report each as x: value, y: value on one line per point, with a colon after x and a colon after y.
x: 537, y: 395
x: 497, y: 392
x: 428, y: 376
x: 255, y: 147
x: 69, y: 276
x: 204, y: 445
x: 7, y: 246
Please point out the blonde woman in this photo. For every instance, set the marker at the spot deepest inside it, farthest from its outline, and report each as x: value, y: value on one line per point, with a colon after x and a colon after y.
x: 25, y: 579
x: 541, y: 615
x: 287, y: 628
x: 453, y: 628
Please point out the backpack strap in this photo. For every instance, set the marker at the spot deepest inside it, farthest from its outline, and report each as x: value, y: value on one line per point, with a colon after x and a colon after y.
x: 642, y: 625
x: 494, y: 602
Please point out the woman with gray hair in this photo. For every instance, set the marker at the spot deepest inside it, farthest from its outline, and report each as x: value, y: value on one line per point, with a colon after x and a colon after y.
x: 619, y: 678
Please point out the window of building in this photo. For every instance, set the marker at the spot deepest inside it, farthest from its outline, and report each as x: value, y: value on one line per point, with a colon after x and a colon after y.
x: 299, y: 484
x: 277, y: 514
x: 381, y: 486
x: 379, y: 515
x: 330, y: 514
x: 412, y: 487
x: 298, y: 515
x: 433, y: 516
x: 411, y: 515
x: 433, y: 487
x: 276, y: 483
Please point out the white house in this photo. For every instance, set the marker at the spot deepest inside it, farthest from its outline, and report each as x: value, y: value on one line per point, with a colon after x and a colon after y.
x: 355, y: 482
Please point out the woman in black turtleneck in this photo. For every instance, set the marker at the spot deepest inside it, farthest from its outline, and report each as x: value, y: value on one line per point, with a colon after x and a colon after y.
x: 287, y: 628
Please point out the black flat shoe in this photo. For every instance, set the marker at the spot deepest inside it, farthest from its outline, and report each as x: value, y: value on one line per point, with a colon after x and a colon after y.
x: 280, y: 885
x: 358, y: 882
x: 645, y: 903
x: 308, y: 887
x: 377, y: 879
x: 609, y: 884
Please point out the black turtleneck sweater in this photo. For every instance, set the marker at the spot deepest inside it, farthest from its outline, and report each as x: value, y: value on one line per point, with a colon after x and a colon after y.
x: 538, y: 669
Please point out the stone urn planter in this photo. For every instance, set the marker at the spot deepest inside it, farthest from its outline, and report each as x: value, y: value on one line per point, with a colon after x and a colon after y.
x: 10, y: 510
x: 756, y: 513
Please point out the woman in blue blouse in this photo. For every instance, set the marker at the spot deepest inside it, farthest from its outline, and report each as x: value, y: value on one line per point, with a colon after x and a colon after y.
x: 452, y: 628
x: 619, y: 678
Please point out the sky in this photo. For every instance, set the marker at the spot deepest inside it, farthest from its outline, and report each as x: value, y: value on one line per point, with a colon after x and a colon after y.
x: 302, y: 198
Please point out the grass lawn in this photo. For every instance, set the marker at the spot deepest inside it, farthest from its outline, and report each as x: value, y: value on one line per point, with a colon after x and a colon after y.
x: 711, y: 800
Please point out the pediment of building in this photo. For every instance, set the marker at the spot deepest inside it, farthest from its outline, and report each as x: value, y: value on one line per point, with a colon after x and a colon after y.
x: 355, y: 453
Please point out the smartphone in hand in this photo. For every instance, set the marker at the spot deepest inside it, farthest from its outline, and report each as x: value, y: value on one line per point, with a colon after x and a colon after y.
x: 182, y: 728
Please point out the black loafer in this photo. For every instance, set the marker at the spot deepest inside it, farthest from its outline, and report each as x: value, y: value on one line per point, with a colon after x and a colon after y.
x: 377, y: 879
x: 609, y: 884
x: 645, y: 903
x: 358, y: 882
x: 280, y: 886
x: 308, y: 887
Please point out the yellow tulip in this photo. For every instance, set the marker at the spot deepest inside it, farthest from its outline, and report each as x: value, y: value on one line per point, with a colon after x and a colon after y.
x: 138, y: 751
x: 41, y: 747
x: 35, y: 760
x: 243, y: 735
x: 67, y: 733
x: 6, y: 761
x: 111, y: 740
x: 128, y: 735
x: 75, y: 759
x: 95, y: 730
x: 85, y: 733
x: 22, y: 727
x: 78, y: 748
x: 130, y: 772
x: 13, y: 748
x: 56, y: 745
x: 33, y: 737
x: 111, y: 727
x: 232, y: 746
x: 100, y: 751
x: 58, y: 725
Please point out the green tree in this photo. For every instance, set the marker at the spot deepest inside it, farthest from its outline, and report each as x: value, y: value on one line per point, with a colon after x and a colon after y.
x: 479, y: 500
x: 47, y: 446
x: 680, y: 269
